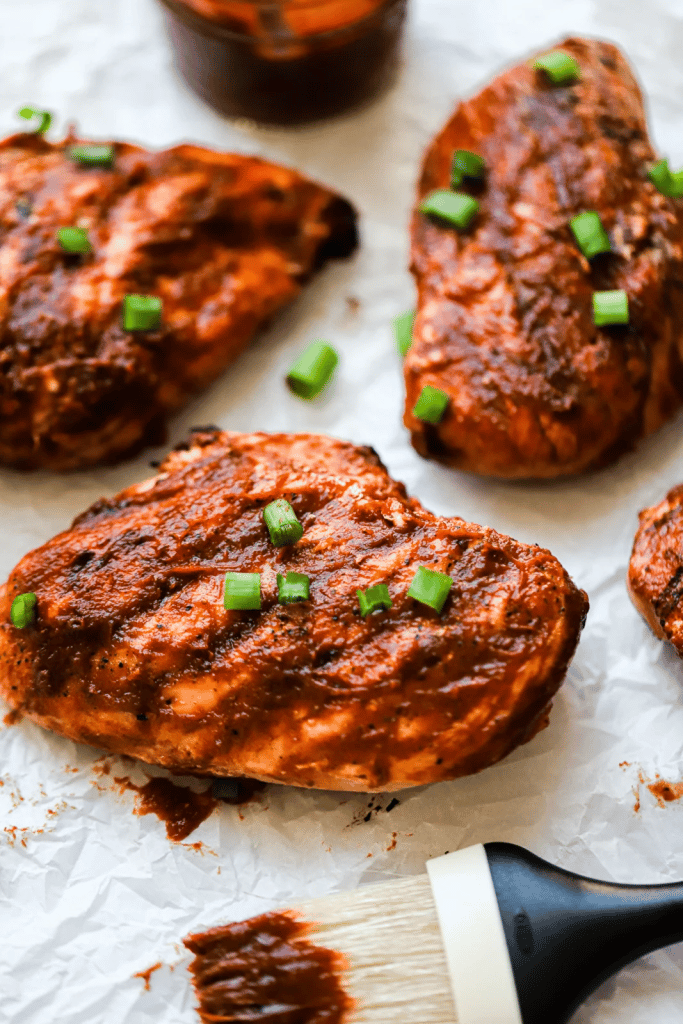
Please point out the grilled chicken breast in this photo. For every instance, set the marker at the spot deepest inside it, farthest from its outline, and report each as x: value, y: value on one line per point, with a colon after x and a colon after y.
x: 655, y: 575
x: 224, y: 240
x: 132, y: 649
x: 505, y: 320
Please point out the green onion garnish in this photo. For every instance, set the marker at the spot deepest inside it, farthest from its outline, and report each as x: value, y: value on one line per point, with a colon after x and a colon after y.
x: 430, y: 588
x: 431, y: 405
x: 242, y: 591
x: 45, y: 118
x: 374, y: 599
x: 23, y: 610
x: 74, y: 240
x: 610, y: 308
x: 455, y: 207
x: 676, y: 184
x: 589, y: 233
x: 93, y: 155
x: 295, y: 586
x: 666, y: 181
x: 283, y: 526
x: 660, y: 176
x: 141, y: 312
x: 466, y: 165
x: 560, y: 67
x: 403, y: 331
x: 312, y: 370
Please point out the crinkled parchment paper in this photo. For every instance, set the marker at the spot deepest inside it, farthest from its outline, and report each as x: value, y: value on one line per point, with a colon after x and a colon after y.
x: 90, y: 894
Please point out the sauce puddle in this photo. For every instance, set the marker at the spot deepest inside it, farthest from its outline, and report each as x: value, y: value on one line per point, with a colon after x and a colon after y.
x: 181, y: 809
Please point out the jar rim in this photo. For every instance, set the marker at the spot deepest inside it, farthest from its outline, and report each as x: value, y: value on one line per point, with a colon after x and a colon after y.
x: 183, y: 10
x: 289, y: 3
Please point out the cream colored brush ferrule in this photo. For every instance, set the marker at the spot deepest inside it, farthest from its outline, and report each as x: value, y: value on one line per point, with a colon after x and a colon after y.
x: 474, y: 941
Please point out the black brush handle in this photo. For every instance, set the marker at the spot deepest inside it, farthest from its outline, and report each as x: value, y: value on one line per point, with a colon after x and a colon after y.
x: 566, y: 934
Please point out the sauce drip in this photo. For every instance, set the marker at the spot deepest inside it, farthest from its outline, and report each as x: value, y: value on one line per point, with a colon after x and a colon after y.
x: 181, y: 809
x: 147, y: 974
x: 265, y: 969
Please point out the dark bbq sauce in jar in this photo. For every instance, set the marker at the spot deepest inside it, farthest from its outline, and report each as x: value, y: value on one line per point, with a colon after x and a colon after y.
x: 281, y: 63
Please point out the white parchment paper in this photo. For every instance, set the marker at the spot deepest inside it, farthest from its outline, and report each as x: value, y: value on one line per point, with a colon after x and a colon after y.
x: 90, y: 894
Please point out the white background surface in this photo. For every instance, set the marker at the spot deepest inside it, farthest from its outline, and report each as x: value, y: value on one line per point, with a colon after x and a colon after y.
x: 100, y: 894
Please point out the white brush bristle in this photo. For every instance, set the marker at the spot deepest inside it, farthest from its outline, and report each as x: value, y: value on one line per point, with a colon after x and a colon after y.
x: 389, y: 934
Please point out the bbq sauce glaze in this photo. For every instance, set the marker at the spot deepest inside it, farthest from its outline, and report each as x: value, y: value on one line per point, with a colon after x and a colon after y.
x: 280, y: 70
x: 265, y: 969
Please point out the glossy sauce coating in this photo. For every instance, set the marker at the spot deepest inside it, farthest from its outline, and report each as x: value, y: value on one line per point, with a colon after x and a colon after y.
x: 224, y: 240
x: 505, y: 320
x: 265, y: 969
x: 133, y: 651
x: 655, y: 575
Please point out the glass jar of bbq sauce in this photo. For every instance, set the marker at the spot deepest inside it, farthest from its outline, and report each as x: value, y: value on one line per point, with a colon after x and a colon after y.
x: 286, y: 61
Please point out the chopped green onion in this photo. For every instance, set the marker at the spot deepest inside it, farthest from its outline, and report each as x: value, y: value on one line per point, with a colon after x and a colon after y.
x: 28, y: 113
x: 466, y: 165
x: 660, y: 176
x: 666, y: 181
x: 374, y: 599
x: 403, y: 331
x: 23, y: 610
x: 283, y: 526
x: 589, y: 233
x: 141, y: 312
x: 242, y: 591
x: 431, y: 405
x: 74, y: 240
x: 430, y: 588
x: 93, y: 155
x: 312, y: 370
x: 295, y: 586
x: 455, y: 207
x: 610, y: 308
x: 676, y: 184
x: 560, y: 67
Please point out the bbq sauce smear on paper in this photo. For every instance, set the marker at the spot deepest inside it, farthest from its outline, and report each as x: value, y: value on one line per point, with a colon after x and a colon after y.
x: 265, y: 970
x: 181, y: 809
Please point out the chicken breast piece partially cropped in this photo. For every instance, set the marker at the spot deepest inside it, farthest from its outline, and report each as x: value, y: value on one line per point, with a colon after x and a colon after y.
x: 223, y: 240
x: 655, y: 574
x: 505, y: 316
x: 132, y: 649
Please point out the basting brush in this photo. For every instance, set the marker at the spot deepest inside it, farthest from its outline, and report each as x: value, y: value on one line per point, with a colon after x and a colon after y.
x: 490, y: 935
